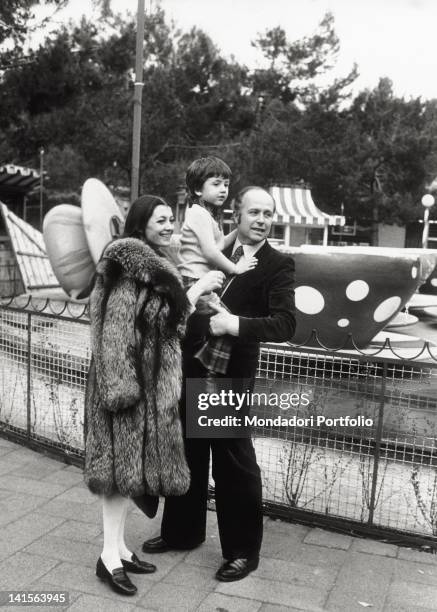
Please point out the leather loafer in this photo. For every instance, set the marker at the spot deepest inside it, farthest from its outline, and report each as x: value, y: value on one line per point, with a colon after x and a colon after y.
x: 117, y: 579
x: 136, y: 566
x: 237, y: 569
x: 156, y: 545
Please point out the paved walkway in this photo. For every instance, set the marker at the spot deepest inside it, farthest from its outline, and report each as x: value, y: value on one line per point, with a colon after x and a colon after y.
x: 51, y: 538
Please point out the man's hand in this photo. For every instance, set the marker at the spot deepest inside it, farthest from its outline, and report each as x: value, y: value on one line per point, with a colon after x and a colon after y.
x: 223, y: 322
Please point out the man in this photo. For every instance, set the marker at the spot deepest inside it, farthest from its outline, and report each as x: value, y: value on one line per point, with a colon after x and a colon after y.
x: 262, y: 305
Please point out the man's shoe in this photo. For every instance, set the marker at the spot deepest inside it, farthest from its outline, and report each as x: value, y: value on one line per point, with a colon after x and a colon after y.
x: 236, y: 569
x: 136, y: 566
x: 117, y: 579
x: 156, y: 545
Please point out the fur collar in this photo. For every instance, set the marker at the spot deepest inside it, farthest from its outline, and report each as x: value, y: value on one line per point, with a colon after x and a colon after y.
x: 133, y: 258
x: 138, y: 260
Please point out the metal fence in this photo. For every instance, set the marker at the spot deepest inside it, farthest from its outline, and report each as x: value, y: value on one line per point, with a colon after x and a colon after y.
x: 361, y: 453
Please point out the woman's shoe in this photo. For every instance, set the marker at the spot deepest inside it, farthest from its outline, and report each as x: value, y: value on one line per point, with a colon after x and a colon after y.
x: 136, y: 566
x: 117, y: 579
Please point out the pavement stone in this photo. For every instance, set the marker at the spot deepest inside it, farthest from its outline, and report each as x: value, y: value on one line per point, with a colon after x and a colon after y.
x: 72, y: 577
x: 4, y: 450
x: 36, y: 470
x: 4, y: 443
x: 206, y: 555
x: 63, y: 476
x: 5, y: 493
x: 164, y: 563
x: 29, y: 486
x: 193, y: 576
x: 88, y: 513
x: 412, y: 594
x: 373, y: 547
x: 139, y: 527
x: 296, y: 572
x: 76, y: 530
x: 215, y: 602
x: 398, y: 607
x: 62, y: 549
x: 330, y: 539
x: 41, y: 585
x: 277, y: 546
x: 363, y: 578
x: 172, y: 598
x: 407, y: 554
x: 16, y: 505
x: 306, y: 554
x: 408, y: 571
x: 79, y: 494
x: 275, y: 608
x: 25, y: 453
x: 294, y: 530
x: 268, y: 591
x: 12, y: 461
x: 51, y: 538
x: 88, y: 603
x: 36, y: 608
x: 22, y: 568
x: 26, y: 529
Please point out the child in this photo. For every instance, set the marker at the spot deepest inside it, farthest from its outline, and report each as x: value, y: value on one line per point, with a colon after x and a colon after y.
x: 202, y: 239
x: 202, y: 242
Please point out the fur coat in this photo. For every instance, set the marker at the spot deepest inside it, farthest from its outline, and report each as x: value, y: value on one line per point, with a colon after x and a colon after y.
x: 138, y: 312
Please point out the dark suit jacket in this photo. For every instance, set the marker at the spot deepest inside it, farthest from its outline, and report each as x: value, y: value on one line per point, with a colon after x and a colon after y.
x: 263, y: 298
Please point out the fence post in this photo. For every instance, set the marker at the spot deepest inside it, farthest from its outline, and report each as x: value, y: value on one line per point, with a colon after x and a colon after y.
x: 378, y: 437
x: 29, y: 360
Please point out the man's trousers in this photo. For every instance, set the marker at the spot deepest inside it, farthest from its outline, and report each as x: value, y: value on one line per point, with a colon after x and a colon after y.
x: 238, y: 492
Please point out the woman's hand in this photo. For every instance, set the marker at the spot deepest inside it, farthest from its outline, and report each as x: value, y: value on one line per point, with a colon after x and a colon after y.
x: 211, y: 281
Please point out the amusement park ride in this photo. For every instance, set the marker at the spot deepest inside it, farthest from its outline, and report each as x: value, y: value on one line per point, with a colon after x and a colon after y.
x: 344, y: 293
x: 351, y: 297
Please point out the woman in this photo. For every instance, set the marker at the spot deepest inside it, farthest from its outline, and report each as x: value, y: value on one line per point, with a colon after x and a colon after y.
x: 134, y: 445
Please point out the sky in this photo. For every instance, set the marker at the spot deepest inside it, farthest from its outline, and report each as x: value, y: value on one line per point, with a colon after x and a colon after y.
x: 393, y: 38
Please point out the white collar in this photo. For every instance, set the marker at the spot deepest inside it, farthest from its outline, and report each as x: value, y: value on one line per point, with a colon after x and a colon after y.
x: 249, y: 250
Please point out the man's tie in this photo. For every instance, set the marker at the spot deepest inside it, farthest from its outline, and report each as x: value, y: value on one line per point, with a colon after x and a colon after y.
x: 235, y: 258
x: 237, y: 254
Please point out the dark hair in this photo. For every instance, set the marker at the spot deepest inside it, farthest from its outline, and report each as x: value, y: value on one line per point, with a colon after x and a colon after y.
x: 139, y: 215
x: 202, y: 169
x: 240, y: 195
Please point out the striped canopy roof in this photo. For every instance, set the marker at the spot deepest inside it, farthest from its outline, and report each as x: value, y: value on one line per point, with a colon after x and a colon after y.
x: 30, y: 252
x: 295, y: 206
x: 17, y: 179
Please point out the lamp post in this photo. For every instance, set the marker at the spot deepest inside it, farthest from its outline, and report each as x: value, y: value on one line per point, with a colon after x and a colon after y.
x: 427, y: 202
x: 138, y: 92
x: 41, y: 185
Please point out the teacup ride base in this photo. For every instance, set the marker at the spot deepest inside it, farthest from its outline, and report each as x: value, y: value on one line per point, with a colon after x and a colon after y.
x: 344, y: 298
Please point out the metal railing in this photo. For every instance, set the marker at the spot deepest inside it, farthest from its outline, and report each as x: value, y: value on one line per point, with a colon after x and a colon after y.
x: 376, y: 473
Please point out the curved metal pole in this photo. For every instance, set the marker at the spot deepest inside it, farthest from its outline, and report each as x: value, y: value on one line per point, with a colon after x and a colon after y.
x: 425, y: 233
x: 138, y: 91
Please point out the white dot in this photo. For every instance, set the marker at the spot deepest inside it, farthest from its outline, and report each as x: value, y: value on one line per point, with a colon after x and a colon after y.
x: 343, y: 322
x: 434, y: 282
x: 387, y: 308
x: 309, y: 300
x: 357, y: 290
x: 414, y: 271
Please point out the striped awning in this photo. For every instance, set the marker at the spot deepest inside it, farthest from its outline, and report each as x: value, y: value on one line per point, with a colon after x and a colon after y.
x: 30, y: 252
x: 295, y: 206
x: 17, y: 179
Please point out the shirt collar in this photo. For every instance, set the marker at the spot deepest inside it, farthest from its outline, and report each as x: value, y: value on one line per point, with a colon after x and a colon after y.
x: 249, y: 250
